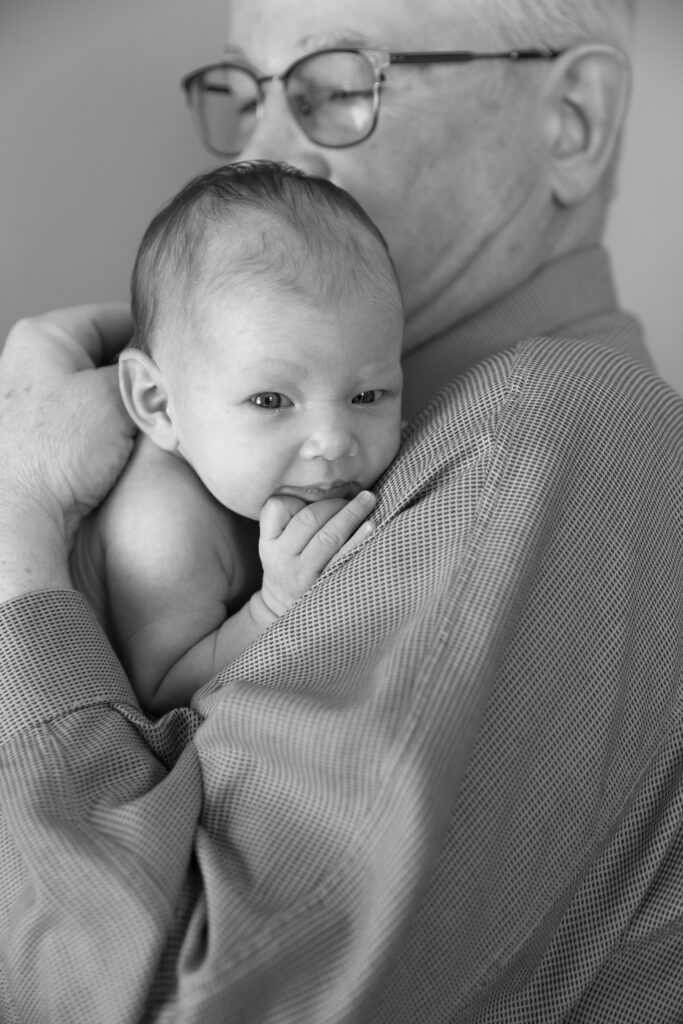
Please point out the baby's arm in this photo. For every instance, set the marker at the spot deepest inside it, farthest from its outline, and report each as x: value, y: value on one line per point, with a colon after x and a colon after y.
x: 297, y: 542
x: 176, y: 563
x: 175, y: 569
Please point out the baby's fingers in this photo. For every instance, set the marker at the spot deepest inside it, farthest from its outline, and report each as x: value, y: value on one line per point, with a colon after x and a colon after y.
x: 364, y: 531
x: 341, y: 533
x: 277, y: 513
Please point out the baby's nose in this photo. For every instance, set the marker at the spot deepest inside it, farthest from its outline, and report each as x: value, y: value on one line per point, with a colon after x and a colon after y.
x: 330, y: 442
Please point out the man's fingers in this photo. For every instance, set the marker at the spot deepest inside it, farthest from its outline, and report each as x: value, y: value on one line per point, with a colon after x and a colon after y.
x: 71, y: 339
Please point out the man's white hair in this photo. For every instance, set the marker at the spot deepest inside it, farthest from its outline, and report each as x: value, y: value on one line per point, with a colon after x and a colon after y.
x: 559, y: 24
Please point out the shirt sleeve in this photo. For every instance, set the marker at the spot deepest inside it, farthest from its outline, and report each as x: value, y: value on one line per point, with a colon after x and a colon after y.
x: 98, y: 820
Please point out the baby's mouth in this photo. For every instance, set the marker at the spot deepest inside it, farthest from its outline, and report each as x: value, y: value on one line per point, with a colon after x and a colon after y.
x: 316, y: 492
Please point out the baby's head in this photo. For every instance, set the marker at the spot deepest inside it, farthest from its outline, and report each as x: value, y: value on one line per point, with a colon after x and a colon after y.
x: 268, y: 329
x: 258, y: 224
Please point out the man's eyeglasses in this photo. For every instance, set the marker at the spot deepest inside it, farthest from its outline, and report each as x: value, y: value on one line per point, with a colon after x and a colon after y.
x: 332, y: 94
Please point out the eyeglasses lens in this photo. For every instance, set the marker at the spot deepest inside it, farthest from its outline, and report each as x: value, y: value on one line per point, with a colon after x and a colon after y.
x: 225, y: 101
x: 331, y: 95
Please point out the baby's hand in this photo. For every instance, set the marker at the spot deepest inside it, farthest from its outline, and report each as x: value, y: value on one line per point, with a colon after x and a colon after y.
x: 297, y: 541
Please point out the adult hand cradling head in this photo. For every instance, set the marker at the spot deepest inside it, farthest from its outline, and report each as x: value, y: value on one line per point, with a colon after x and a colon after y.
x: 64, y: 435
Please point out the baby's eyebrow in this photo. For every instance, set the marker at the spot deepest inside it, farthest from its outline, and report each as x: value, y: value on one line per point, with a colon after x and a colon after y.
x: 276, y: 365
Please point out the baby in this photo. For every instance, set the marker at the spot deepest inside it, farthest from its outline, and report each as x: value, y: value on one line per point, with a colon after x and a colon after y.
x: 264, y: 376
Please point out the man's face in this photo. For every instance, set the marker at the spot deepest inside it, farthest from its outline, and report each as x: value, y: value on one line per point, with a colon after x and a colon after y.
x: 452, y: 172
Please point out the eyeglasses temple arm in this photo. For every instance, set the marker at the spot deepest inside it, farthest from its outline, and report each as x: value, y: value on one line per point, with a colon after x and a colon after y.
x: 465, y: 56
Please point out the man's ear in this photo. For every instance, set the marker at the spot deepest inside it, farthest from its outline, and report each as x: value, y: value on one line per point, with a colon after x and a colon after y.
x: 590, y: 90
x: 145, y: 396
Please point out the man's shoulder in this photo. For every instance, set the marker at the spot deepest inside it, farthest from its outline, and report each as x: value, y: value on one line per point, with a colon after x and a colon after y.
x: 566, y: 375
x: 569, y: 383
x: 528, y: 414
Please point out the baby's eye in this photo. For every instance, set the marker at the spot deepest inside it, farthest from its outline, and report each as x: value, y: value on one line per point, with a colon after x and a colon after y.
x: 365, y: 397
x: 269, y: 400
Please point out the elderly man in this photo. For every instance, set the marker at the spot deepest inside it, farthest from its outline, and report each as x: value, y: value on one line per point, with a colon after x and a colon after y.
x: 447, y: 784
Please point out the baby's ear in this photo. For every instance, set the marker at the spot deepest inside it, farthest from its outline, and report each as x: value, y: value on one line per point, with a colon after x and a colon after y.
x: 145, y: 396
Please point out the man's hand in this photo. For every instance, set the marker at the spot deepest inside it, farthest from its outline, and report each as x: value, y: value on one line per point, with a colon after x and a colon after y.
x: 297, y: 541
x: 64, y: 436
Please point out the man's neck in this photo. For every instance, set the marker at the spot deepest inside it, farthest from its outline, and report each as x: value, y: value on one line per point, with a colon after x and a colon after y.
x: 564, y: 291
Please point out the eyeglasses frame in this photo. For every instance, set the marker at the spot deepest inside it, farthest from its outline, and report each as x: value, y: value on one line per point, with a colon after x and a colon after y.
x: 379, y: 61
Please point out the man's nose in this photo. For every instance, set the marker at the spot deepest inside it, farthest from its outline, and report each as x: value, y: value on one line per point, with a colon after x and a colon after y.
x: 277, y: 136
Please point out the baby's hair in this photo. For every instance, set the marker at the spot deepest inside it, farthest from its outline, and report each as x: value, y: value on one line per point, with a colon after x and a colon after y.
x: 304, y: 233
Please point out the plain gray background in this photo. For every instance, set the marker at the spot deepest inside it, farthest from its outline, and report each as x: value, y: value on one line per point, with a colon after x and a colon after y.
x: 95, y: 136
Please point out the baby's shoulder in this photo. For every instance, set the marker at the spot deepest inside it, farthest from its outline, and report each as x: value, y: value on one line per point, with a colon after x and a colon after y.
x: 160, y: 510
x: 156, y: 490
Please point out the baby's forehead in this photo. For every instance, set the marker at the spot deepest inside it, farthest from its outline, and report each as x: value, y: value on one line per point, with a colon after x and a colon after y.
x: 334, y: 249
x: 252, y: 330
x: 237, y: 304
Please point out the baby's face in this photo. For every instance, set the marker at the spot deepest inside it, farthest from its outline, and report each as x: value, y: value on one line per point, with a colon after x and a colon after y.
x: 281, y: 395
